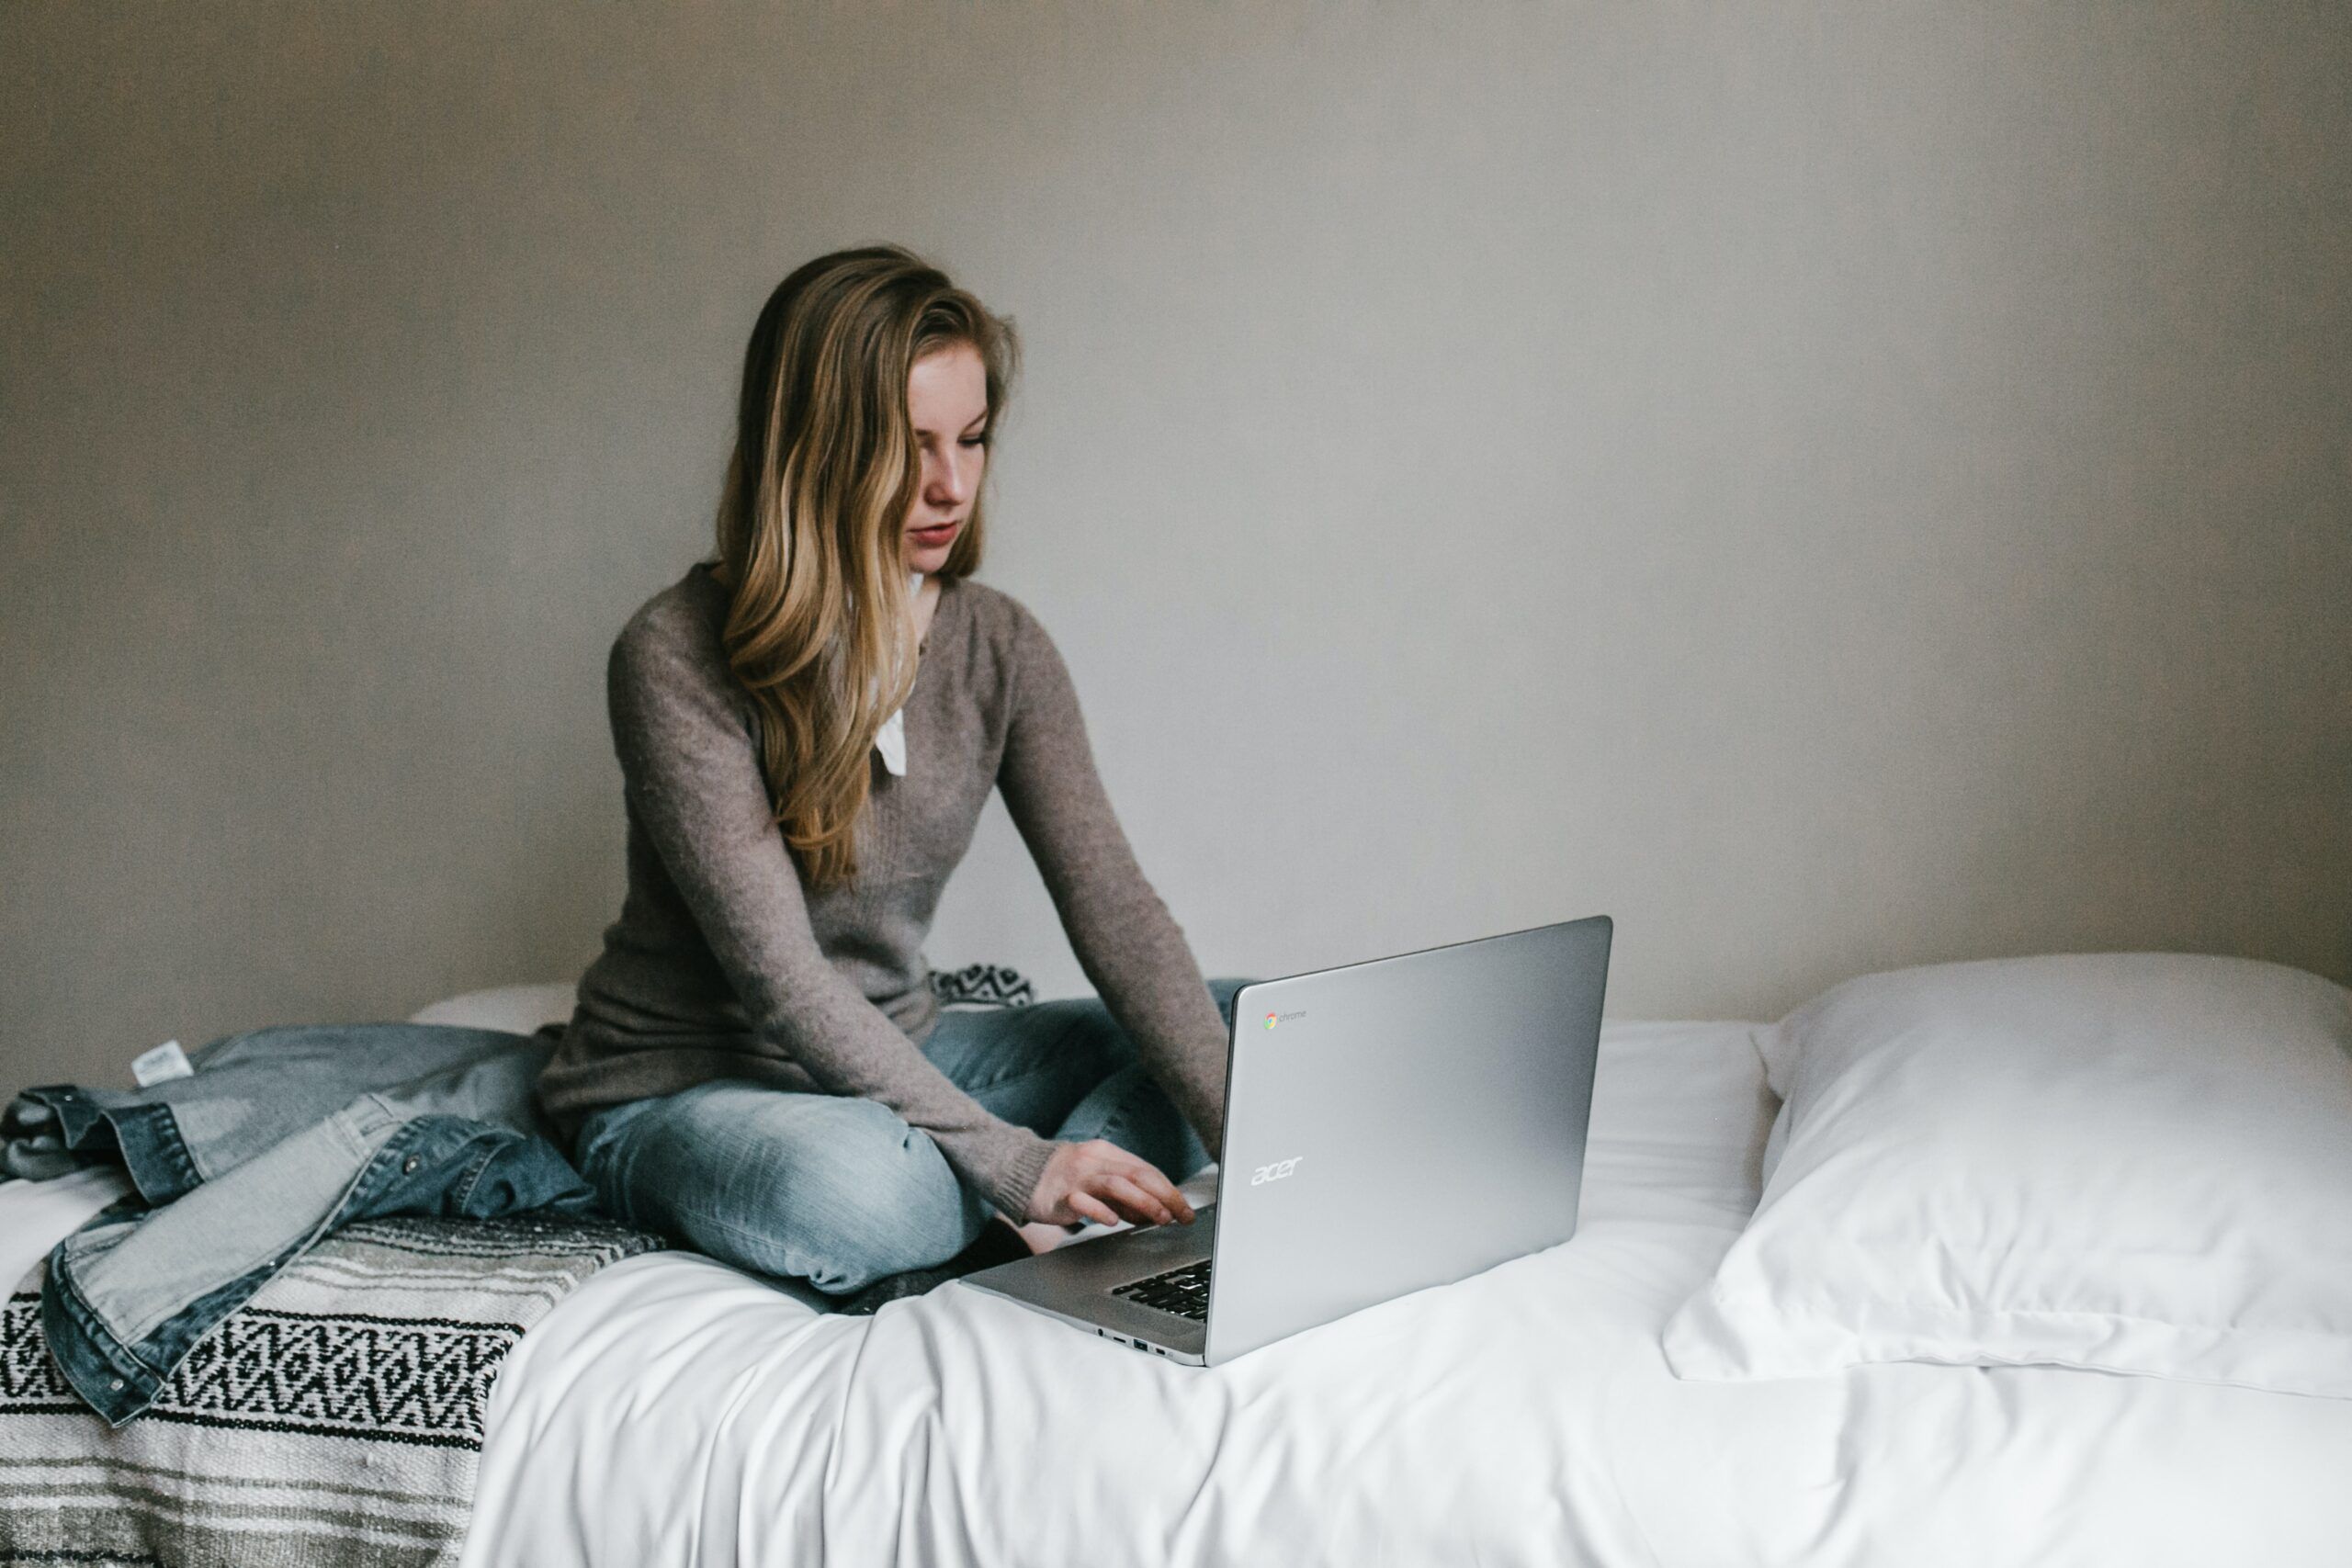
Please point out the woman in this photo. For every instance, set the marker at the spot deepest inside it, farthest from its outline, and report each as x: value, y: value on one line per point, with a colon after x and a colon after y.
x: 808, y: 728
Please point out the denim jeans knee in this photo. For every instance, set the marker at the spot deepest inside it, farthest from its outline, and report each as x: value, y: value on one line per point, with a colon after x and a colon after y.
x: 833, y: 1190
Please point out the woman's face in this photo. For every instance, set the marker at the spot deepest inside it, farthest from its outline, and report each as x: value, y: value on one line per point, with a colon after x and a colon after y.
x: 948, y: 393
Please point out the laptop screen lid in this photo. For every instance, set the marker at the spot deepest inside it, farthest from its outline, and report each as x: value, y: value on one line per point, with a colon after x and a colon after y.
x: 1400, y: 1123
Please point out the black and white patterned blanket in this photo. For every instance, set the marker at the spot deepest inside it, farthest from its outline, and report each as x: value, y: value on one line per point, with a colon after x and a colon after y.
x: 336, y: 1418
x: 982, y: 986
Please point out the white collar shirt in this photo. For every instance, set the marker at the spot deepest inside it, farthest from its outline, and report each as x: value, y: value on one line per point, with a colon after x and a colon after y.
x: 891, y: 738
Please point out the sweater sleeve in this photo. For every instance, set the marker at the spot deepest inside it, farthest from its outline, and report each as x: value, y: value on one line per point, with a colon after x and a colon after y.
x: 692, y: 770
x: 1128, y: 944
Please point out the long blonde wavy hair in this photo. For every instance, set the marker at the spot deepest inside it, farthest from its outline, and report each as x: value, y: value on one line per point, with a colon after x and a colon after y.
x: 824, y: 475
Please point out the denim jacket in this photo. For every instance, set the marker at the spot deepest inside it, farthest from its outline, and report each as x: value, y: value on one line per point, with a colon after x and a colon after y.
x: 279, y: 1137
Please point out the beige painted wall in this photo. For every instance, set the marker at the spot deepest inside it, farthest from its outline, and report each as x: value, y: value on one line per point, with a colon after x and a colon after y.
x: 1832, y: 486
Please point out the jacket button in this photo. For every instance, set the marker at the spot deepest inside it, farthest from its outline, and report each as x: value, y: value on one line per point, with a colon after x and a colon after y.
x: 116, y: 1385
x: 408, y: 1166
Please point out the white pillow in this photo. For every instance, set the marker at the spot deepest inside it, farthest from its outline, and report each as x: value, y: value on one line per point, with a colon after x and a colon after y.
x: 2130, y: 1162
x: 519, y: 1009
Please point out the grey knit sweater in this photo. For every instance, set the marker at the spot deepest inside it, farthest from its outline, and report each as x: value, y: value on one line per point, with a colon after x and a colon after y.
x: 722, y: 965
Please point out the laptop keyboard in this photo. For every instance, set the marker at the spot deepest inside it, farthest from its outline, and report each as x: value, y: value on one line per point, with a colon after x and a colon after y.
x: 1183, y: 1291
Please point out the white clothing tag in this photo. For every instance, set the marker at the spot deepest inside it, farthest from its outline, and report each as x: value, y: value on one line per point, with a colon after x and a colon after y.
x: 162, y: 1065
x: 891, y: 738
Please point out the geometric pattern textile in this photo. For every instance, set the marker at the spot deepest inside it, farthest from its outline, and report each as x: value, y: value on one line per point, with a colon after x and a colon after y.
x: 335, y: 1418
x: 982, y: 984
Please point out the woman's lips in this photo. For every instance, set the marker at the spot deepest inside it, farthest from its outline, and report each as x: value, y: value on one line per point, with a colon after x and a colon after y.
x: 938, y: 535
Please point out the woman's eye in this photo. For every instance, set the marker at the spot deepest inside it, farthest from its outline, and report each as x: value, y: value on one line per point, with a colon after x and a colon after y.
x: 973, y: 441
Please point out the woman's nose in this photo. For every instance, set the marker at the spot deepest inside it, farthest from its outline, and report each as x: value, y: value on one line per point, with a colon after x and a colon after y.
x: 946, y: 484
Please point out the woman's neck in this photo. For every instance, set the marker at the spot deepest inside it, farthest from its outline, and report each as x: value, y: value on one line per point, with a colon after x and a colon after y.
x: 925, y: 603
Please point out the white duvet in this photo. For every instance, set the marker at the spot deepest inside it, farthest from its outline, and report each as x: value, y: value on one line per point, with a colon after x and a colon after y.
x: 675, y: 1411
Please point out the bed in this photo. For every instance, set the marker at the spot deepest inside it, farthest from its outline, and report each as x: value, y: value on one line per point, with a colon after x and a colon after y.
x: 673, y: 1410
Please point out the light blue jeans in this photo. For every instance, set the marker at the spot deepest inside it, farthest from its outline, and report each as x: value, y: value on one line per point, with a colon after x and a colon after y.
x: 839, y: 1191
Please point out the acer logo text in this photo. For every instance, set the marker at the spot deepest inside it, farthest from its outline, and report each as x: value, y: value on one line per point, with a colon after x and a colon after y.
x: 1275, y: 1171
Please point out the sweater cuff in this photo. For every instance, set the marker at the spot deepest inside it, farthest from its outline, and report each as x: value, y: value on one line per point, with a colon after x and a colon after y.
x: 1013, y: 1183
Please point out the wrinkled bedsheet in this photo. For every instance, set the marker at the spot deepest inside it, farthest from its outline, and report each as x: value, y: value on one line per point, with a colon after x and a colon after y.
x: 676, y: 1411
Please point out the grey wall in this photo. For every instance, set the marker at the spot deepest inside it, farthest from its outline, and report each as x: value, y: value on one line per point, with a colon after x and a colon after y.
x: 1832, y: 486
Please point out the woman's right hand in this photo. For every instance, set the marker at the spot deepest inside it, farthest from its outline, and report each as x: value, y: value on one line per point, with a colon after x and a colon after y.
x: 1100, y: 1181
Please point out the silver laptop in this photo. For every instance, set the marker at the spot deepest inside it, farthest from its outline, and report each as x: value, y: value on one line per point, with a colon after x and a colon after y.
x: 1388, y: 1126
